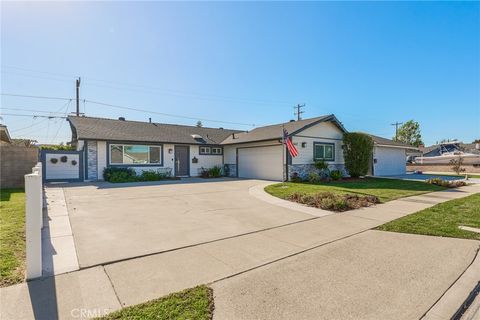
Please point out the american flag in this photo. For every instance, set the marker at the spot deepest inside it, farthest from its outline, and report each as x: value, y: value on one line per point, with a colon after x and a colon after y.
x: 290, y: 146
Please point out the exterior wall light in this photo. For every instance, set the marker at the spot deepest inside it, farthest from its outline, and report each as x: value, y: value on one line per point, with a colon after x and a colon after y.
x: 170, y: 151
x: 304, y: 144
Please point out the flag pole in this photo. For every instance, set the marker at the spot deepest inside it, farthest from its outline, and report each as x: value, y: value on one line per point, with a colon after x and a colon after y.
x: 283, y: 152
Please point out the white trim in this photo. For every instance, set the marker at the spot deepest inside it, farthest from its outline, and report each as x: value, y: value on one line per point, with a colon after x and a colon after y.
x: 392, y: 146
x: 132, y: 145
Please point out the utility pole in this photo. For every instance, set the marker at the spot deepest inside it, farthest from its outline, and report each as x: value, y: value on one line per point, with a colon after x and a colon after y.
x: 78, y: 96
x: 299, y: 111
x: 396, y: 124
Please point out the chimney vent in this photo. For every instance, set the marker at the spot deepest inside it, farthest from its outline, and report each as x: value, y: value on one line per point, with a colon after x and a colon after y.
x: 150, y: 120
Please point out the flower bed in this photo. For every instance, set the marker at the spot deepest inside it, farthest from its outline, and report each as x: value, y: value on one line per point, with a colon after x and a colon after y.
x: 334, y: 202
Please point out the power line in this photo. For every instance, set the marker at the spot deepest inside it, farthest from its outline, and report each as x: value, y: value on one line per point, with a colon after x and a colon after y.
x: 32, y: 110
x: 162, y: 90
x: 167, y: 114
x: 31, y: 96
x: 32, y: 115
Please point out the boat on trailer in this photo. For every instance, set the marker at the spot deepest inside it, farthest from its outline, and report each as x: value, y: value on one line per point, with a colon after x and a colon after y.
x: 446, y: 152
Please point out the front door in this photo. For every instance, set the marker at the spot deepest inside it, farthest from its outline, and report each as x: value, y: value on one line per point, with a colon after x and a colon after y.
x: 182, y: 161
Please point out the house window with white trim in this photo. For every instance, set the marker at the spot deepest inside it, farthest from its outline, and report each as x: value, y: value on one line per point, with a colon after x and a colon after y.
x: 217, y: 151
x: 123, y: 154
x: 324, y: 151
x: 205, y: 150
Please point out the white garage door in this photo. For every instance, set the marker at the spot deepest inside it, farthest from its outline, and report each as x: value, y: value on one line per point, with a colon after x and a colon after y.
x: 389, y: 161
x: 260, y: 163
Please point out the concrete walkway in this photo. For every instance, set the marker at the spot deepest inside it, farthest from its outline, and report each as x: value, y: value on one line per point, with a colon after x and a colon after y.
x: 58, y: 247
x: 103, y: 289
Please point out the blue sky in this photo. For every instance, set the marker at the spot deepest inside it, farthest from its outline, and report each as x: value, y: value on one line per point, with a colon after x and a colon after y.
x: 371, y: 64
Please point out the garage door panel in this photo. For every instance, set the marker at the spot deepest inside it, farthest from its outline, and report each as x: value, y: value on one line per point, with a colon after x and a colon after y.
x: 261, y: 163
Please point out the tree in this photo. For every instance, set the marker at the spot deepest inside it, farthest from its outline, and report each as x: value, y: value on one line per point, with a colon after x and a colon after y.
x: 357, y: 152
x: 409, y: 133
x: 457, y: 165
x: 199, y: 124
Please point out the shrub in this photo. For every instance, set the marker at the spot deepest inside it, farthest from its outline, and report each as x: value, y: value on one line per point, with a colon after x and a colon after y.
x: 334, y: 202
x: 446, y: 183
x: 357, y: 151
x: 295, y: 177
x: 321, y: 165
x: 215, y: 172
x: 113, y: 174
x: 150, y: 175
x: 314, y: 177
x: 336, y: 174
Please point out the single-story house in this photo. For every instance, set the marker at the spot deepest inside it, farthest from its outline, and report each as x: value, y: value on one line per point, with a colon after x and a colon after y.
x: 184, y: 150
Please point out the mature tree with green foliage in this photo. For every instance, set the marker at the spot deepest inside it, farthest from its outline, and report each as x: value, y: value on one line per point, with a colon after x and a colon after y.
x: 199, y: 124
x: 357, y: 152
x: 409, y: 133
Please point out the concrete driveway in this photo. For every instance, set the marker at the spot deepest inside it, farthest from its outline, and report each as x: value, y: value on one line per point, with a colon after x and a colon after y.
x: 371, y: 275
x: 114, y: 222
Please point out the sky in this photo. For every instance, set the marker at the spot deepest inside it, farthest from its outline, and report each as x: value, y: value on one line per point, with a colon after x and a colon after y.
x: 243, y: 64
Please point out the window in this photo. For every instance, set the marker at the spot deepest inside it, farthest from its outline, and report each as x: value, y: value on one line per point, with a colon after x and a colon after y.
x: 324, y: 151
x: 204, y: 150
x: 217, y: 151
x: 135, y: 154
x: 210, y: 150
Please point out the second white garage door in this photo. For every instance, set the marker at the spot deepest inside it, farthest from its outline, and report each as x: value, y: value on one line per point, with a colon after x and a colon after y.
x: 260, y: 163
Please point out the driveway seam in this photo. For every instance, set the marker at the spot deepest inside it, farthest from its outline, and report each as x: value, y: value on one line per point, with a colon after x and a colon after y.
x: 73, y: 233
x: 287, y: 256
x: 196, y: 244
x: 113, y: 287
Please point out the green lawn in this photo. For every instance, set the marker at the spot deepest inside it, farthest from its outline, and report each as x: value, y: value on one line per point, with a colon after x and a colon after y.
x: 442, y: 219
x: 384, y: 189
x: 12, y: 236
x: 190, y: 304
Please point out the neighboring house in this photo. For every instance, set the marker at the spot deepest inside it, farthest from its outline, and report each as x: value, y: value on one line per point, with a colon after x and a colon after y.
x: 184, y: 150
x: 4, y: 135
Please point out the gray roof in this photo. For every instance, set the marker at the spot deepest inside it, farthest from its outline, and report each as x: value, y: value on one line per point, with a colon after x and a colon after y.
x: 89, y: 128
x: 388, y: 142
x: 273, y: 132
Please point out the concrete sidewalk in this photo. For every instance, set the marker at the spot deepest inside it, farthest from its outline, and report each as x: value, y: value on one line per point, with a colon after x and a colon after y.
x: 113, y: 286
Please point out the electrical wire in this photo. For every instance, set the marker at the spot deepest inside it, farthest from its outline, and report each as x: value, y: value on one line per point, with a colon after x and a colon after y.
x: 31, y: 96
x: 166, y: 114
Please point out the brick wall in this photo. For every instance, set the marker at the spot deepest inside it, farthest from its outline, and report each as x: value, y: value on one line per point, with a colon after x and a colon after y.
x: 441, y: 168
x: 15, y: 162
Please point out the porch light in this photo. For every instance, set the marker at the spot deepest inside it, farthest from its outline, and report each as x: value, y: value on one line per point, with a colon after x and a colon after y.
x: 170, y: 151
x: 304, y: 144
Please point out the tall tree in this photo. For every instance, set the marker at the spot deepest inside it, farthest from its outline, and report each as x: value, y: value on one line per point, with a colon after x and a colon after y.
x: 409, y: 133
x: 199, y: 124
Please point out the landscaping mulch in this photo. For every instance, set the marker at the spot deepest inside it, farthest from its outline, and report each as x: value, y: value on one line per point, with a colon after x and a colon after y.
x: 334, y: 202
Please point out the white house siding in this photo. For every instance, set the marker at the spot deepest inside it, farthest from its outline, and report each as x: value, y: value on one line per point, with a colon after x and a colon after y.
x: 389, y: 161
x: 205, y: 161
x: 61, y: 170
x: 325, y: 132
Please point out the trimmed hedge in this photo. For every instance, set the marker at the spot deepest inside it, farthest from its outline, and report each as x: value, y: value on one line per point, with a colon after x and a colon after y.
x: 357, y: 152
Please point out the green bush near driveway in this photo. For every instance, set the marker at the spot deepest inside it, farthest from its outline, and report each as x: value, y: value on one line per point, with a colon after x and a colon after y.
x: 12, y: 236
x: 190, y: 304
x: 118, y: 175
x: 442, y: 219
x: 384, y: 189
